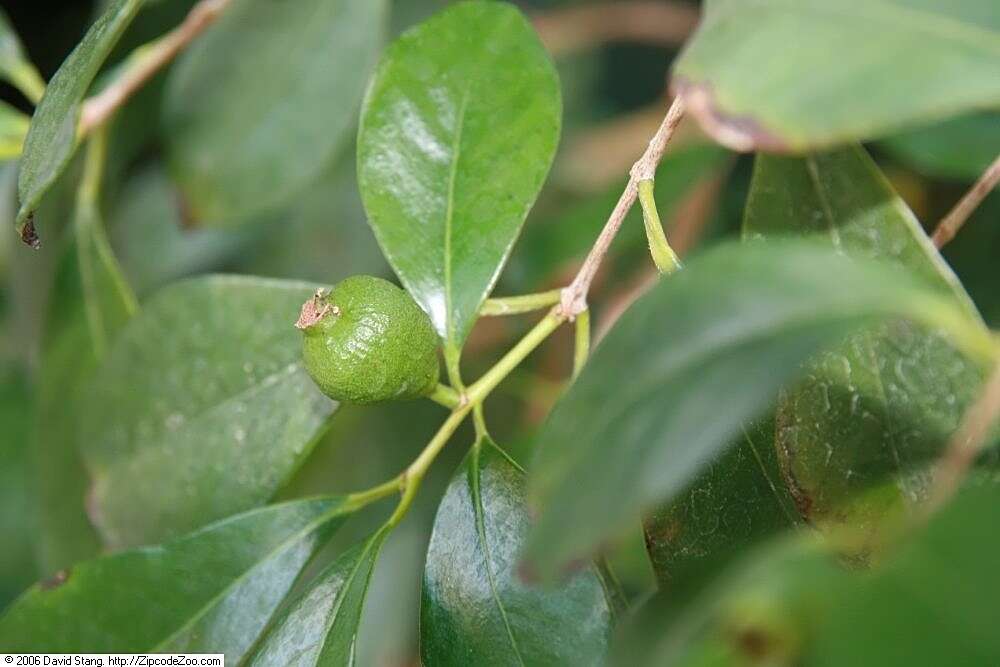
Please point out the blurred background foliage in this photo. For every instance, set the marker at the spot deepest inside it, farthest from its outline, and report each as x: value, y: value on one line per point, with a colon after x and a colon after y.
x: 613, y: 60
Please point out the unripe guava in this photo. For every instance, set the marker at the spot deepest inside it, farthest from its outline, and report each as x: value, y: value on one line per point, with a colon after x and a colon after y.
x: 367, y: 340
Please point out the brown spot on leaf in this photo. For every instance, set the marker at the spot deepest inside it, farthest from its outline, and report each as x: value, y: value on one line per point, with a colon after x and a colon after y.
x: 740, y: 133
x: 754, y: 643
x: 29, y: 235
x: 56, y: 580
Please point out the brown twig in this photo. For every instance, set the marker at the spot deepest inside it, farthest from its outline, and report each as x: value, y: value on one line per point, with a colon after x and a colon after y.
x: 574, y: 297
x: 952, y: 222
x: 575, y: 29
x: 99, y: 108
x: 967, y: 443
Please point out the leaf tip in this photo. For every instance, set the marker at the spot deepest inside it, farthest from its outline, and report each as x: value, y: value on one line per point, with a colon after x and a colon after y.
x: 29, y: 235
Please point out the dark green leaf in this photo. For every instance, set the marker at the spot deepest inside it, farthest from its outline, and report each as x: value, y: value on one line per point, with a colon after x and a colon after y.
x: 15, y: 68
x: 13, y: 128
x: 52, y: 137
x: 89, y: 306
x: 259, y: 106
x: 205, y: 399
x: 728, y: 331
x: 211, y: 591
x: 961, y: 148
x: 973, y: 253
x: 476, y: 609
x: 889, y: 396
x: 457, y: 134
x: 321, y: 627
x: 794, y: 74
x: 739, y: 500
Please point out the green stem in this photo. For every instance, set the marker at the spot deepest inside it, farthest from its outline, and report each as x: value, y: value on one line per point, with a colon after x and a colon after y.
x: 479, y: 420
x: 475, y: 395
x: 581, y: 349
x: 27, y: 79
x: 383, y: 490
x: 515, y: 305
x: 446, y: 396
x: 663, y: 255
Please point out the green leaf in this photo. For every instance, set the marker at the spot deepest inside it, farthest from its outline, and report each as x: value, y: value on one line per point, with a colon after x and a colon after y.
x: 737, y: 501
x: 211, y: 591
x: 796, y: 74
x: 889, y: 396
x: 13, y: 128
x: 458, y: 131
x: 728, y: 331
x: 259, y: 106
x: 321, y: 627
x: 961, y: 148
x: 89, y: 306
x: 476, y: 609
x: 52, y: 137
x: 205, y: 399
x: 15, y: 68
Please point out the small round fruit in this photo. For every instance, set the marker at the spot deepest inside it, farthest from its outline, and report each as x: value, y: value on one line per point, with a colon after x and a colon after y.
x: 367, y: 340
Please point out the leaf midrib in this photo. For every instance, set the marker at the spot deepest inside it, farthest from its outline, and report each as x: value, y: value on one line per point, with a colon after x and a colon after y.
x: 456, y: 150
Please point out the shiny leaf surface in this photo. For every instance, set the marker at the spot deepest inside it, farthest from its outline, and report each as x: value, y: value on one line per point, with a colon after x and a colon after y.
x: 458, y: 131
x: 203, y: 397
x: 759, y: 74
x: 729, y: 330
x: 258, y: 106
x: 321, y: 627
x: 476, y: 609
x: 889, y: 396
x: 52, y: 137
x: 211, y: 591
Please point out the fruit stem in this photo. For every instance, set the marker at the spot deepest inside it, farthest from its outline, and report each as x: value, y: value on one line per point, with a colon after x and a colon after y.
x: 515, y: 305
x: 411, y: 478
x: 446, y: 396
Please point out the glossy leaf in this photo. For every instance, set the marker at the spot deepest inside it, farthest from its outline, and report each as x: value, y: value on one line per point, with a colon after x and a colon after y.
x: 15, y: 67
x: 458, y: 131
x: 737, y: 501
x: 961, y: 148
x: 259, y: 106
x: 204, y: 398
x: 728, y: 330
x: 759, y: 75
x: 52, y: 137
x: 89, y: 306
x: 889, y: 396
x: 321, y: 627
x: 13, y: 128
x: 476, y: 609
x: 211, y: 591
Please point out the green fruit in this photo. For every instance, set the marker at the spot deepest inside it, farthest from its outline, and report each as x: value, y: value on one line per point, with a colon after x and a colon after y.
x: 367, y: 340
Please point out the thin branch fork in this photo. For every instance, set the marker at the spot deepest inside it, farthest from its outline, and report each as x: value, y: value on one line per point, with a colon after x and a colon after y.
x: 150, y: 60
x: 574, y: 297
x: 953, y: 222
